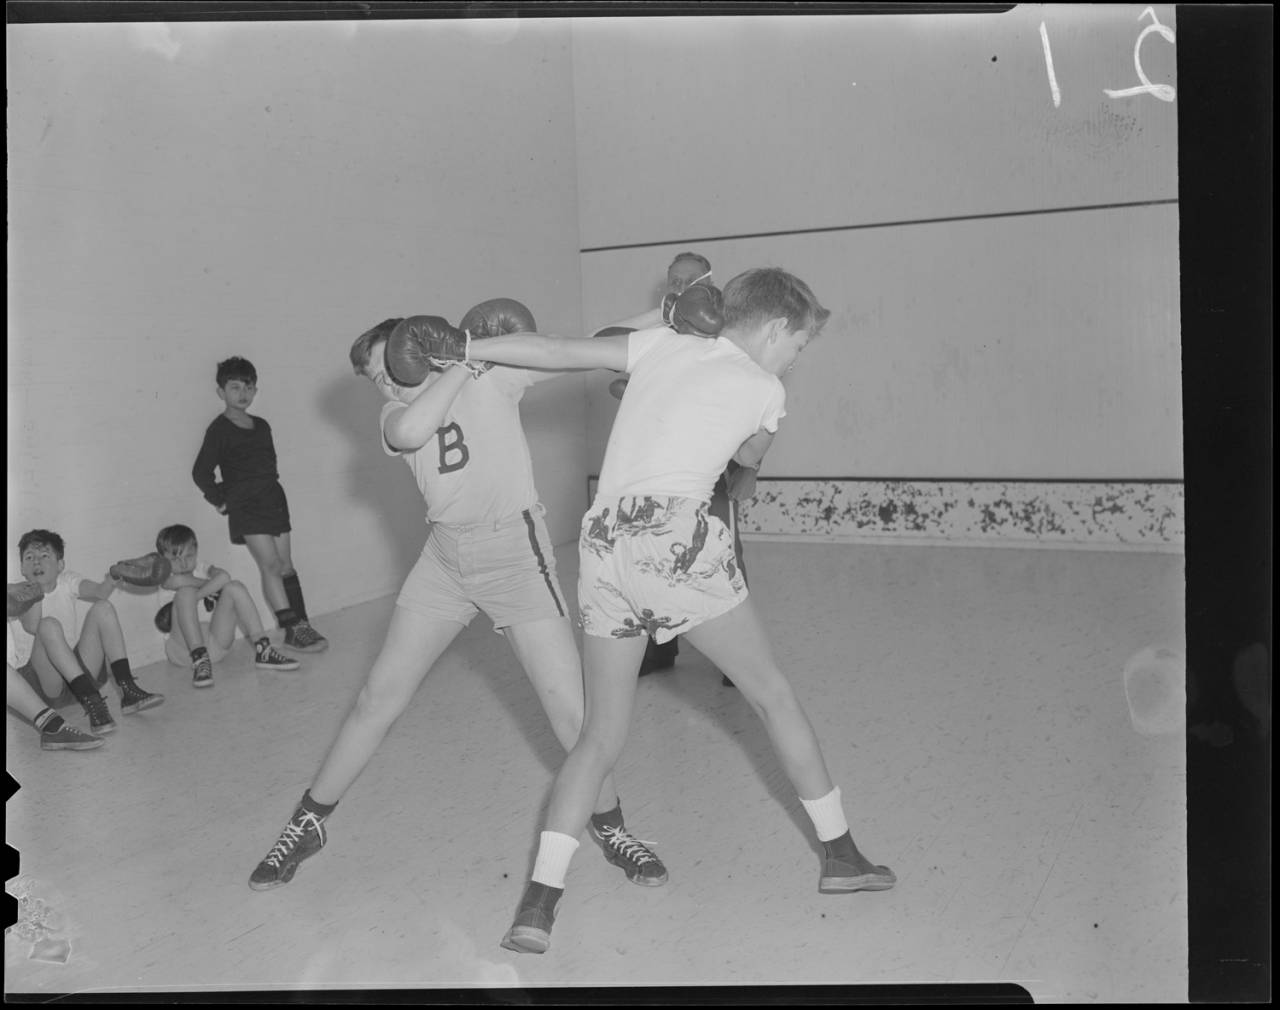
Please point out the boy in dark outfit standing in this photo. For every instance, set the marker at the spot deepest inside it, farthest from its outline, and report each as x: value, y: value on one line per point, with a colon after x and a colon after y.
x: 250, y: 496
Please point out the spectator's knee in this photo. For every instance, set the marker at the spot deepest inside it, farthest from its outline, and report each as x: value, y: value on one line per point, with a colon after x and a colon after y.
x: 102, y: 610
x: 272, y: 566
x: 50, y: 630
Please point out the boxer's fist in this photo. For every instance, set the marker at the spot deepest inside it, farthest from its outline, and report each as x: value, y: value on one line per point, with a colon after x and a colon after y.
x: 22, y: 597
x: 146, y: 571
x: 498, y: 316
x: 697, y: 310
x: 415, y: 342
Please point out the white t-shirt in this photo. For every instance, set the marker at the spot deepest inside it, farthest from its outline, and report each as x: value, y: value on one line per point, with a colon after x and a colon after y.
x: 476, y: 468
x: 691, y: 402
x: 59, y: 603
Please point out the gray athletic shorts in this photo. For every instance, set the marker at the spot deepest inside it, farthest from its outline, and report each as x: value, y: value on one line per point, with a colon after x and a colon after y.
x: 507, y: 569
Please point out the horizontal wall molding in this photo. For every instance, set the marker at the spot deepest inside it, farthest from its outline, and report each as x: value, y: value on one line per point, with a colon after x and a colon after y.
x: 905, y: 223
x: 1091, y: 514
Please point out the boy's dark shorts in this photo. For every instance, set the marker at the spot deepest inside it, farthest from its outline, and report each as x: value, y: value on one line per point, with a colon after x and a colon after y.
x: 265, y: 511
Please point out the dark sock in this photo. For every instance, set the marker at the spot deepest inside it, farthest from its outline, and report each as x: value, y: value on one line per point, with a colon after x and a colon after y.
x: 121, y: 672
x: 48, y: 721
x: 84, y: 688
x: 312, y: 805
x: 286, y: 618
x: 610, y: 818
x: 198, y: 653
x: 293, y: 590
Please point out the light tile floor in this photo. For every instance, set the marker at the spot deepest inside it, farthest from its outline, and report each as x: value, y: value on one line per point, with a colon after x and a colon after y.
x: 970, y: 703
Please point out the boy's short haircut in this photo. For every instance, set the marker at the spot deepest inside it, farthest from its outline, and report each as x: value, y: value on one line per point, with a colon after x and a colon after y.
x: 173, y: 538
x: 234, y: 369
x: 42, y: 538
x: 362, y: 349
x: 756, y: 296
x: 706, y: 263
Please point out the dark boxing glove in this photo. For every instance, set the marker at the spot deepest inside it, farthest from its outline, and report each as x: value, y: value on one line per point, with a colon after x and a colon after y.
x: 697, y: 310
x: 22, y: 597
x: 494, y: 318
x: 415, y: 342
x: 149, y: 570
x: 498, y: 316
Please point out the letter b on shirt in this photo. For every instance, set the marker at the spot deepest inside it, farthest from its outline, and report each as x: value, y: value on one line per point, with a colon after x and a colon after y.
x: 454, y: 453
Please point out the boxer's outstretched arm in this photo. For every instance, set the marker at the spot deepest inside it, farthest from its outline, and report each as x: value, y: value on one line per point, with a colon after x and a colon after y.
x: 532, y: 350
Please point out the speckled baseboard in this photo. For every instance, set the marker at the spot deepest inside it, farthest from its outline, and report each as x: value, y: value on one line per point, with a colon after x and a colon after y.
x: 1138, y: 514
x: 1093, y: 514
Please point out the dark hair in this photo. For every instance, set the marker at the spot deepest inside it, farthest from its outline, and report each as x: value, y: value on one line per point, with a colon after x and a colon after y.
x: 173, y: 537
x: 362, y: 349
x: 42, y: 538
x: 756, y: 296
x: 236, y: 369
x: 706, y: 263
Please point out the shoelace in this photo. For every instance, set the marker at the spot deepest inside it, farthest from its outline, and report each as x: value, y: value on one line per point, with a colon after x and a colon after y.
x: 291, y: 836
x: 623, y: 841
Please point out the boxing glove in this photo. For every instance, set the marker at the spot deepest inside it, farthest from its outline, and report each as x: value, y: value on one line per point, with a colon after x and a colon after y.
x: 22, y: 597
x: 497, y: 316
x: 415, y: 342
x: 697, y: 310
x: 145, y: 571
x: 493, y: 318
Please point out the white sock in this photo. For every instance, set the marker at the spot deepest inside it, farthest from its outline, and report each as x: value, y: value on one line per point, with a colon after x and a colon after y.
x: 827, y: 815
x: 554, y: 852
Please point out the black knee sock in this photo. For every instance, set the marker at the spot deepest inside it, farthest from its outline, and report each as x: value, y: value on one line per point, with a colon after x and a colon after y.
x: 293, y: 590
x: 287, y: 618
x: 121, y: 672
x: 85, y: 688
x: 48, y: 721
x: 312, y: 805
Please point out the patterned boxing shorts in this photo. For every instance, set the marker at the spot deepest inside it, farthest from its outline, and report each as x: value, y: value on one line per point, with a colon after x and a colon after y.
x: 654, y: 566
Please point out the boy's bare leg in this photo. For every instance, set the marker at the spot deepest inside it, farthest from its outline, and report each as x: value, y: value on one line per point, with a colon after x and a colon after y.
x: 283, y: 591
x: 20, y: 696
x: 736, y: 643
x: 186, y: 614
x: 266, y: 555
x: 102, y: 641
x: 55, y: 733
x: 412, y: 646
x: 549, y: 654
x: 547, y: 651
x: 57, y: 664
x: 612, y: 668
x: 235, y: 608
